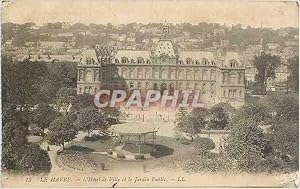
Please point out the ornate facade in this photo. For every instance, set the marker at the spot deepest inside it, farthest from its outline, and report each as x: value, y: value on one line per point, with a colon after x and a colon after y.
x: 219, y: 75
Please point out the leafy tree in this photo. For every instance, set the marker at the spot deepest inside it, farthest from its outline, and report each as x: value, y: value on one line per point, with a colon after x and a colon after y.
x: 13, y: 140
x: 35, y: 160
x: 113, y: 114
x: 257, y: 111
x: 21, y: 81
x: 247, y: 144
x: 265, y: 65
x: 61, y: 130
x: 293, y: 79
x: 63, y: 96
x: 203, y: 145
x: 82, y: 101
x: 218, y: 119
x: 285, y: 138
x: 43, y: 115
x: 91, y: 118
x: 283, y: 106
x: 181, y: 113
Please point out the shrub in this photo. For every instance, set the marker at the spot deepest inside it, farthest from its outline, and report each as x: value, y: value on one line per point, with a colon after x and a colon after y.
x: 77, y: 160
x: 92, y: 138
x: 121, y: 156
x: 203, y: 145
x: 139, y: 156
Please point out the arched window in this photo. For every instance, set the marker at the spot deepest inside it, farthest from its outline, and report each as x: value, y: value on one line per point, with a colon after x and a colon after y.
x: 88, y: 76
x: 180, y: 62
x: 140, y: 60
x: 188, y: 75
x: 139, y: 74
x: 132, y: 61
x: 233, y: 63
x: 197, y: 62
x: 147, y: 74
x: 148, y: 61
x: 225, y: 78
x: 205, y: 61
x: 204, y: 74
x: 172, y: 74
x: 124, y: 60
x: 117, y: 61
x: 123, y: 74
x: 196, y: 75
x: 156, y: 74
x: 204, y: 86
x: 131, y: 74
x: 224, y: 93
x: 180, y: 74
x: 188, y: 86
x: 139, y: 85
x: 212, y: 75
x: 196, y: 86
x: 164, y: 74
x: 233, y: 78
x: 240, y: 93
x: 86, y: 90
x: 189, y: 61
x: 212, y: 86
x: 131, y: 85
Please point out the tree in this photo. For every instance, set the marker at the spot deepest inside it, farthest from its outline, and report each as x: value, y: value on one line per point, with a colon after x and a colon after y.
x: 218, y: 119
x: 257, y: 110
x: 13, y: 141
x: 35, y: 160
x: 293, y: 79
x: 82, y: 101
x: 113, y: 114
x: 61, y: 130
x: 283, y: 106
x: 247, y: 144
x: 43, y: 115
x: 91, y: 118
x: 63, y: 96
x: 203, y: 145
x: 265, y: 65
x: 181, y: 113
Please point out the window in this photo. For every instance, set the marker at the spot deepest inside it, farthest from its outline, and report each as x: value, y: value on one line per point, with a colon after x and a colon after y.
x: 189, y: 61
x: 240, y: 93
x: 124, y: 60
x: 139, y: 74
x: 139, y: 85
x: 132, y: 61
x: 140, y: 60
x: 131, y: 74
x: 147, y: 74
x: 204, y: 74
x: 148, y: 61
x: 205, y: 61
x: 224, y: 93
x: 156, y: 74
x: 88, y: 76
x: 233, y: 63
x: 124, y: 73
x: 117, y: 61
x: 212, y: 75
x: 131, y: 85
x: 188, y: 75
x: 164, y: 74
x: 180, y: 74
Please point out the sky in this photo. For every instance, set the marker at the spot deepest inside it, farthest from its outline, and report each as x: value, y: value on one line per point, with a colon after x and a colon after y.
x: 273, y: 14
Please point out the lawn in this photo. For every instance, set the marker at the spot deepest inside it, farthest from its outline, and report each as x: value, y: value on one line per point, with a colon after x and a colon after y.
x: 168, y: 150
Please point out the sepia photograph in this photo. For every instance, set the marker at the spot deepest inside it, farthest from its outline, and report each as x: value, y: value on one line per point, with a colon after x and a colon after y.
x: 149, y: 93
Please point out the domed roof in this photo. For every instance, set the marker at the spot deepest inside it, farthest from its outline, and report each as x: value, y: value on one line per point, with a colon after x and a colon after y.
x: 164, y: 48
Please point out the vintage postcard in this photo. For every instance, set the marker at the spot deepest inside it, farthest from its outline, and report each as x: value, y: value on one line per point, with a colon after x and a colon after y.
x: 150, y: 93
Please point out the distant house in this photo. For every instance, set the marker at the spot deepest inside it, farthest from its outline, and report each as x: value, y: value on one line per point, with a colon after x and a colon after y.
x: 272, y: 46
x: 219, y: 32
x: 52, y: 45
x: 66, y: 34
x: 131, y: 39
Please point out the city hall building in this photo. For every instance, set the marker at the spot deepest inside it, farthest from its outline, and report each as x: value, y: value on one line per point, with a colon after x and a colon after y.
x: 218, y: 75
